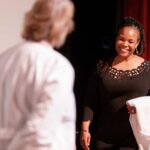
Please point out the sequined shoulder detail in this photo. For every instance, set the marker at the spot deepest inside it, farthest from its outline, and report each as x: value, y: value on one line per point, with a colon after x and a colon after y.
x: 120, y: 74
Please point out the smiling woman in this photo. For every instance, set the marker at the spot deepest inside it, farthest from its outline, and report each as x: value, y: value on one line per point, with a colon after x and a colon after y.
x: 126, y: 46
x: 121, y: 76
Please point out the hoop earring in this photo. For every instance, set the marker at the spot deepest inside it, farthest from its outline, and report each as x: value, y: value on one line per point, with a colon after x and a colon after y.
x: 136, y: 51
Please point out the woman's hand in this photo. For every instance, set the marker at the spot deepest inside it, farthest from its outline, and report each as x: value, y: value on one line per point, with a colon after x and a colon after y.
x: 85, y: 139
x: 131, y: 109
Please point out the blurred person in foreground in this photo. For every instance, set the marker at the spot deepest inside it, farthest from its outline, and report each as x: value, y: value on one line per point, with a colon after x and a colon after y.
x: 122, y: 75
x: 37, y: 104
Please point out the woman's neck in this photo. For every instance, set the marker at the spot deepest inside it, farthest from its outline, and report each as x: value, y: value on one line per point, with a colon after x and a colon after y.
x: 118, y: 58
x: 129, y: 63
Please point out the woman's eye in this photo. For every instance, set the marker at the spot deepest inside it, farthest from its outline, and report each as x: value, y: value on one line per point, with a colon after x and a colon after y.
x: 131, y: 42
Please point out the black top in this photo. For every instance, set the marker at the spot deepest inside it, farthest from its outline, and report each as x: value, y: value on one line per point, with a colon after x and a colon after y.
x: 108, y: 92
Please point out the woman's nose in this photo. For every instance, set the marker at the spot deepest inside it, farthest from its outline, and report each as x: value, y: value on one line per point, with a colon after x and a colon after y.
x: 125, y: 43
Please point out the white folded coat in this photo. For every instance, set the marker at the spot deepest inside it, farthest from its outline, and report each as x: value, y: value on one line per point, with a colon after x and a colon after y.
x: 140, y: 121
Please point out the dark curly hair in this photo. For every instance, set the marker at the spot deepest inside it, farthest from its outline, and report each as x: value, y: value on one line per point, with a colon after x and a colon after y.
x: 132, y: 22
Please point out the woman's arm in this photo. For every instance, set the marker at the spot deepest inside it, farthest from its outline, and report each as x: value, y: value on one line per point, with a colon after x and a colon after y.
x: 85, y: 136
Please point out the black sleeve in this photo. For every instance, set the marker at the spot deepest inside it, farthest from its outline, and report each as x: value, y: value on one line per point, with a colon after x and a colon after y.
x: 149, y: 92
x: 92, y: 97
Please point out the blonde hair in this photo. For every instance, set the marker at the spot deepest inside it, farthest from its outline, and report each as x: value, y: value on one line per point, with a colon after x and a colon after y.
x: 48, y: 19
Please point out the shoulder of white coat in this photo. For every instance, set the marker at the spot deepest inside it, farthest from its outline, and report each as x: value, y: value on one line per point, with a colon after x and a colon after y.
x: 63, y: 62
x: 46, y: 53
x: 40, y: 53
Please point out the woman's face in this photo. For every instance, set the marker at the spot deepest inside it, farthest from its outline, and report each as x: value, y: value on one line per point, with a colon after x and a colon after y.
x: 127, y: 41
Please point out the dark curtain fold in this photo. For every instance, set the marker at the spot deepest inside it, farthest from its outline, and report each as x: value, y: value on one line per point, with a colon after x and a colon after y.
x: 139, y: 9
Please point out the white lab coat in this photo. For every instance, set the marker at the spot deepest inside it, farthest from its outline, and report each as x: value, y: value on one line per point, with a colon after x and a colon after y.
x: 140, y: 121
x: 37, y: 104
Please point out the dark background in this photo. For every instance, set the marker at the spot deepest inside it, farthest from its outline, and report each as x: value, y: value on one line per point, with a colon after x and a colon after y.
x: 95, y: 22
